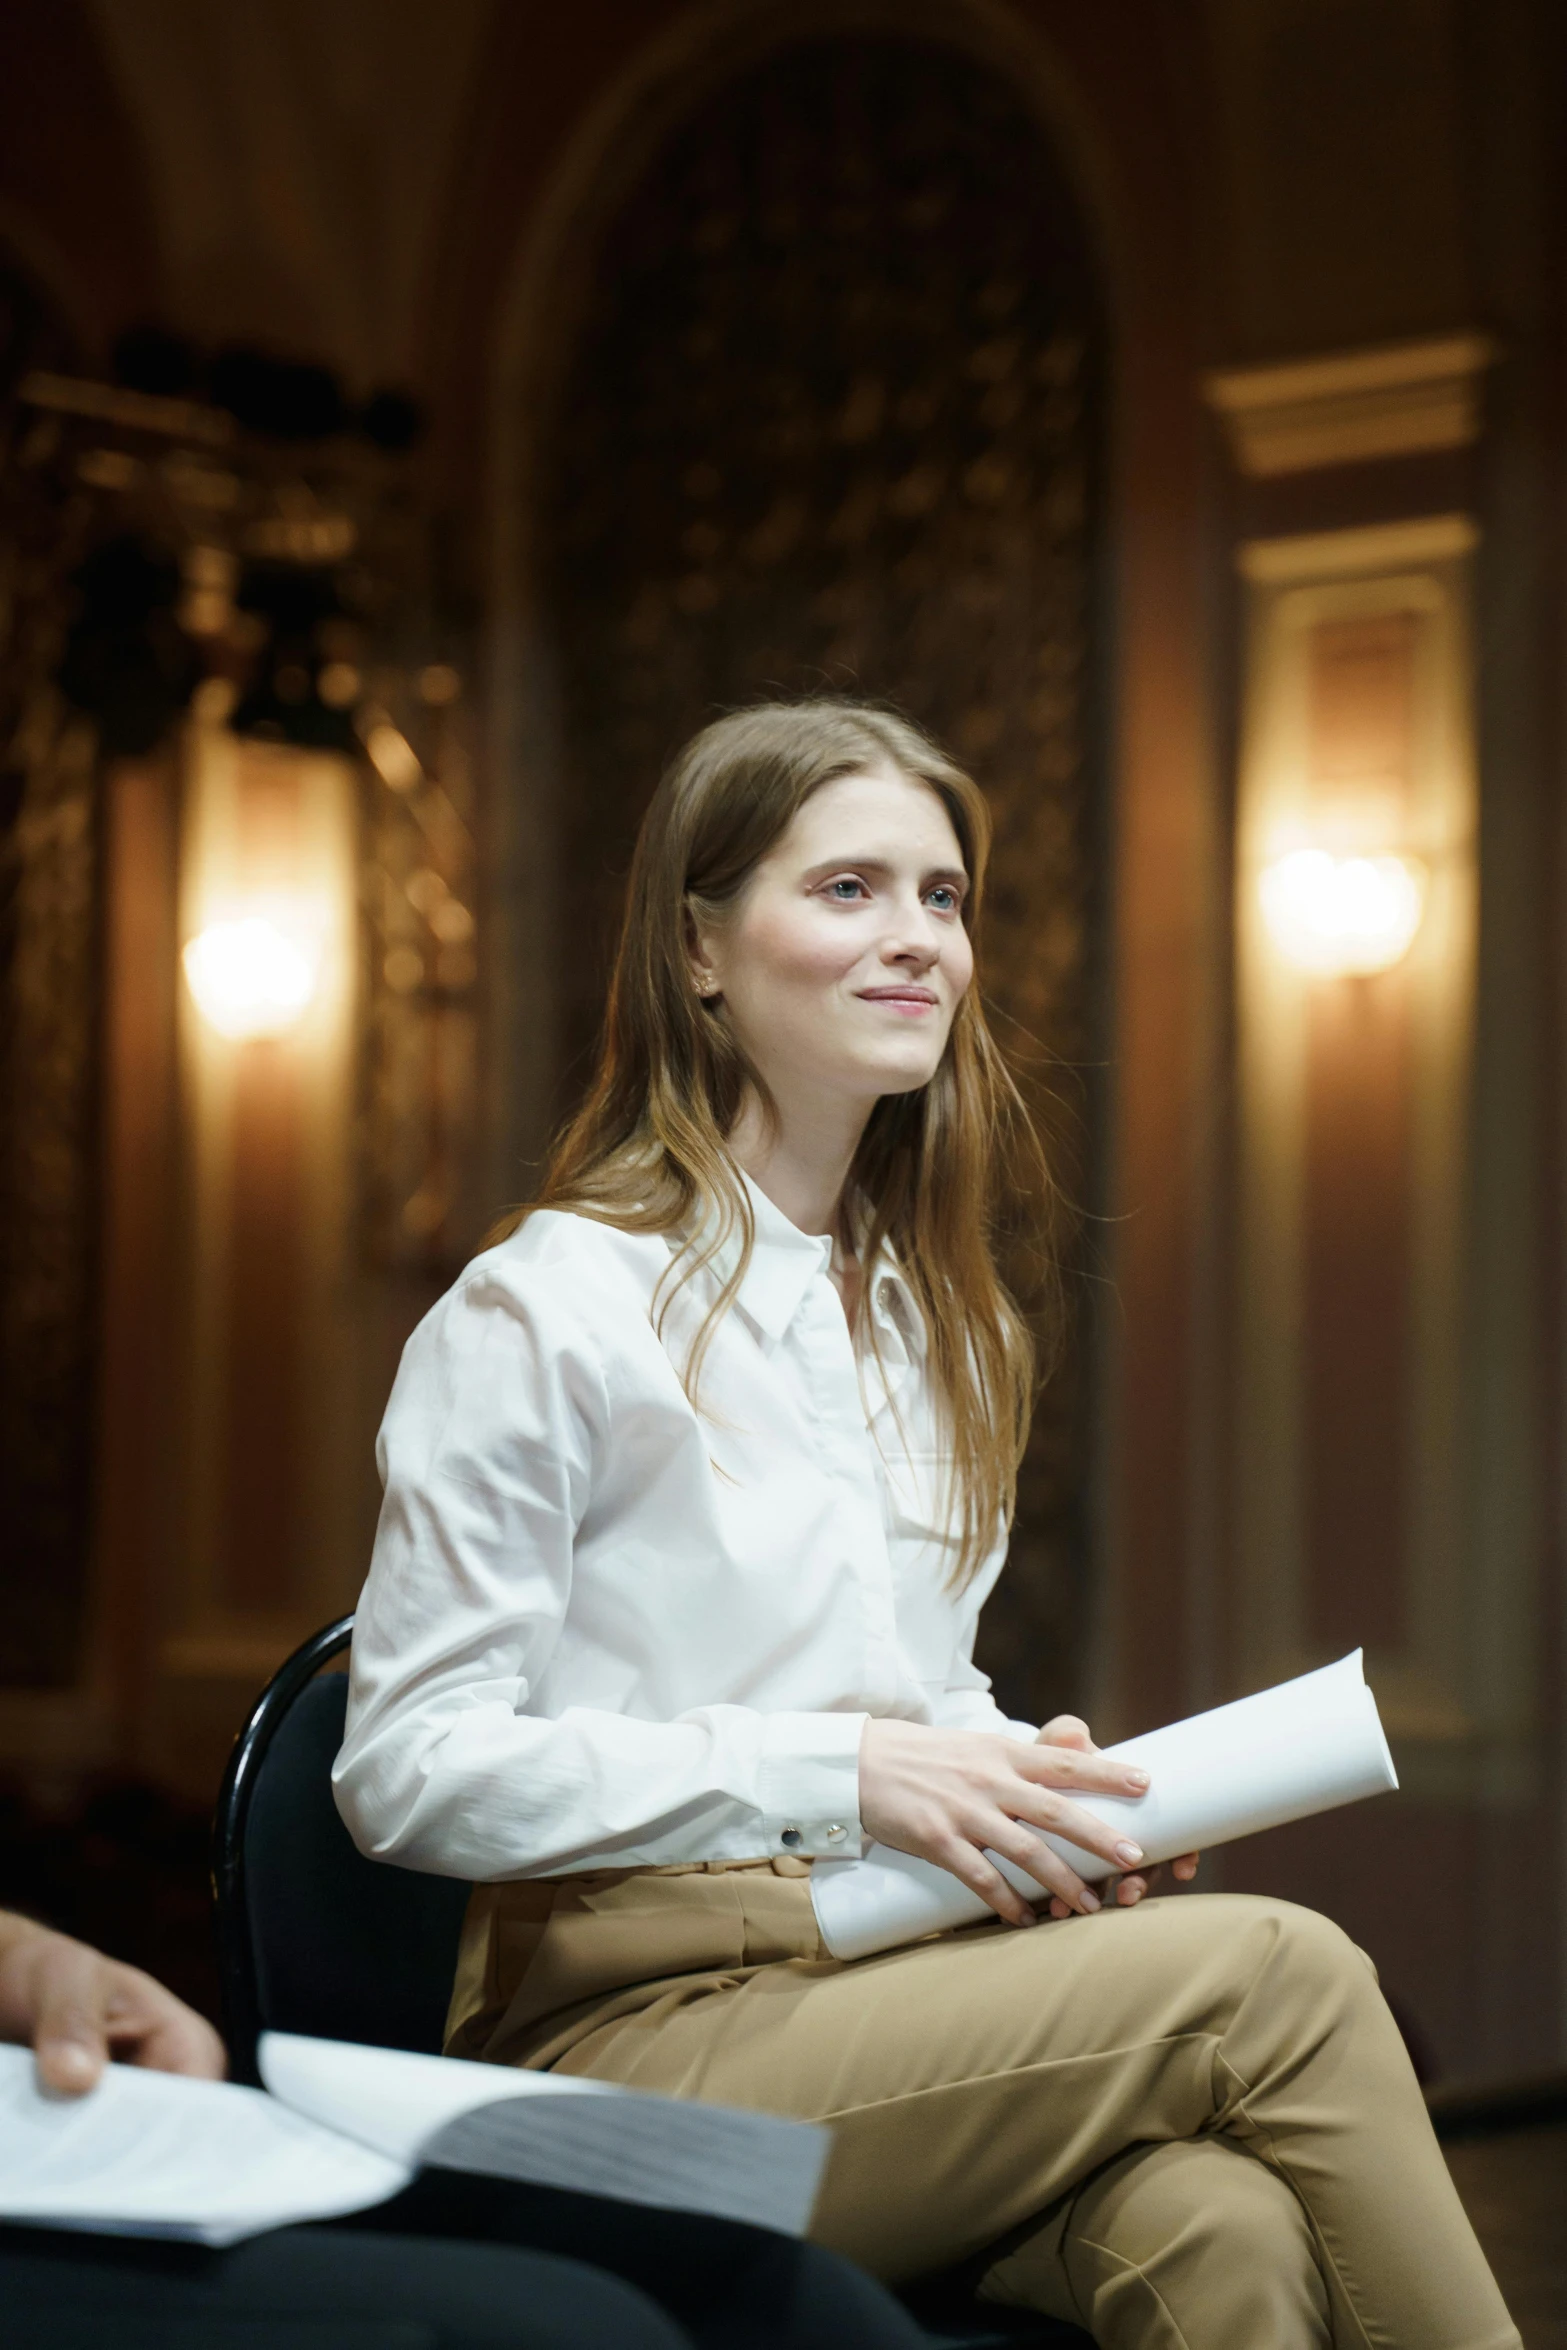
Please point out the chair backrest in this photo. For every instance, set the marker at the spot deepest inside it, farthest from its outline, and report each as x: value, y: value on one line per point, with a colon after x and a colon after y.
x: 312, y: 1937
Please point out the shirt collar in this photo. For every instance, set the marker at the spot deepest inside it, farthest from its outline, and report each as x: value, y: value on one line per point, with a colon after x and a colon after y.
x: 784, y: 1263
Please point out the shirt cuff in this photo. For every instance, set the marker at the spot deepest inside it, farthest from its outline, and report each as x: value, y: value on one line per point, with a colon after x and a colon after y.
x: 810, y: 1784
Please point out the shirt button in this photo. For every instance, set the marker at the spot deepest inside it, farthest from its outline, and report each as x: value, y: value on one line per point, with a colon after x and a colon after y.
x: 836, y: 1833
x: 792, y: 1837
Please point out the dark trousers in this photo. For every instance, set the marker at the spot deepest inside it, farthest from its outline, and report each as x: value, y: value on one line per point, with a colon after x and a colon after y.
x: 454, y: 2263
x: 313, y: 2289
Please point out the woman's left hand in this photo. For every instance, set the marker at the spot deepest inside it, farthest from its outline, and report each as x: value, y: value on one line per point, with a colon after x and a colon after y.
x: 1067, y: 1730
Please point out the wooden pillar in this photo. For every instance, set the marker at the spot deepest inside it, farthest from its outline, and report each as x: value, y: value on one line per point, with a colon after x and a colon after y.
x: 139, y: 1374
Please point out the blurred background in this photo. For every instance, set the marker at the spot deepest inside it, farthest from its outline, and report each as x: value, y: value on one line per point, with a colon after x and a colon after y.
x: 414, y: 420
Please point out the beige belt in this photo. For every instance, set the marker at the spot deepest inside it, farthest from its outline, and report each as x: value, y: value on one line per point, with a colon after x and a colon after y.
x: 543, y: 1960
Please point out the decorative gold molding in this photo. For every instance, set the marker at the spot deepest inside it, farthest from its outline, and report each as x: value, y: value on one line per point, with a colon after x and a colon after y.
x: 179, y: 420
x: 1347, y: 554
x: 1399, y: 400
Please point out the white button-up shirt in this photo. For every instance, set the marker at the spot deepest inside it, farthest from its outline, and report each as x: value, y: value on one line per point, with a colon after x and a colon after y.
x: 602, y: 1628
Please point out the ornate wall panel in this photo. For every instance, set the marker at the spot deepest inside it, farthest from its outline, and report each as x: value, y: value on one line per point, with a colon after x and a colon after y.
x: 48, y: 1054
x: 832, y: 425
x: 48, y: 1204
x: 250, y: 575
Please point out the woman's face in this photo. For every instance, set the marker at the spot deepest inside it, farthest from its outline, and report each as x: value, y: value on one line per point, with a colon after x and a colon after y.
x: 846, y: 957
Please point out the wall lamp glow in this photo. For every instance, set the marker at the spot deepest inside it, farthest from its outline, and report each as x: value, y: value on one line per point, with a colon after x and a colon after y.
x: 1333, y: 916
x: 250, y: 977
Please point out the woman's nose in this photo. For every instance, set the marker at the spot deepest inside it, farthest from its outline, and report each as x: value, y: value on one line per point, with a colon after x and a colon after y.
x: 915, y: 942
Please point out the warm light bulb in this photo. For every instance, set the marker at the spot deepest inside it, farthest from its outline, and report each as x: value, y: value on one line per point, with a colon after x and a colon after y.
x: 1333, y: 916
x: 250, y: 977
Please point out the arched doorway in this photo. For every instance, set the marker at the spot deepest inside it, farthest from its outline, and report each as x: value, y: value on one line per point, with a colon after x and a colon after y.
x: 833, y: 422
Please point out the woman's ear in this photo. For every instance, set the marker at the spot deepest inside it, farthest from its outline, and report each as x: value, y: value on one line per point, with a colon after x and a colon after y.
x: 701, y: 959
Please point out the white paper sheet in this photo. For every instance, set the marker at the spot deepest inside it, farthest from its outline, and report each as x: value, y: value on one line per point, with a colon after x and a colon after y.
x: 392, y: 2098
x: 554, y: 2130
x: 1306, y: 1746
x: 149, y: 2153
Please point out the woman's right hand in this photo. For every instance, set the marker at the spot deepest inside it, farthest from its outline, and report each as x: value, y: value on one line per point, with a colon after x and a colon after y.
x: 947, y: 1795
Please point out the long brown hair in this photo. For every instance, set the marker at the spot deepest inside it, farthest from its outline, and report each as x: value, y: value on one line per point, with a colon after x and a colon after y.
x: 936, y: 1169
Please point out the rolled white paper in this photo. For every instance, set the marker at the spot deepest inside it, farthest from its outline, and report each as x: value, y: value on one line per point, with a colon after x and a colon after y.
x: 1305, y: 1747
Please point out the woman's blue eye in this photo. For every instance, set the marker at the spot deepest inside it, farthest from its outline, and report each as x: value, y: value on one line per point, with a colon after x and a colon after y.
x: 948, y: 899
x: 845, y: 887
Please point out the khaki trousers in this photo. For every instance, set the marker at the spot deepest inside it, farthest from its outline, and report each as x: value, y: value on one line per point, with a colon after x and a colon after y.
x: 1185, y: 2126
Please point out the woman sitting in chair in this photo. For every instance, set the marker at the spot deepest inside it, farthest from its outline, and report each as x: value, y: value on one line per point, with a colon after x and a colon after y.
x: 695, y: 1485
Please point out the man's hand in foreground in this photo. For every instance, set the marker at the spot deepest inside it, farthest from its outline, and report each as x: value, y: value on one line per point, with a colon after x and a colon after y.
x: 77, y: 2009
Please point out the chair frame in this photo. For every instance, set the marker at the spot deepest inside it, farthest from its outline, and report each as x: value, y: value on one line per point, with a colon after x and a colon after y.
x: 241, y: 2004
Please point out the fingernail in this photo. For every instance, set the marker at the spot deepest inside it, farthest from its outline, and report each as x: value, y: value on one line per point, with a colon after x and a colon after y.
x: 1130, y: 1853
x: 1137, y: 1778
x: 1090, y: 1900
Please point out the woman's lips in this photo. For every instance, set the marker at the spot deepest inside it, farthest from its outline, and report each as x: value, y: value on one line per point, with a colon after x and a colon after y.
x: 902, y: 999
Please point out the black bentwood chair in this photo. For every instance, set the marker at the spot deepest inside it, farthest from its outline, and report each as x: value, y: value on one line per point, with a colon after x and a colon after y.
x: 312, y: 1937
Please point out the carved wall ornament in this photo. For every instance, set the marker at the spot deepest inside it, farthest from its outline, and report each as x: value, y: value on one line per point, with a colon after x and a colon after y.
x: 161, y: 558
x: 1397, y: 400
